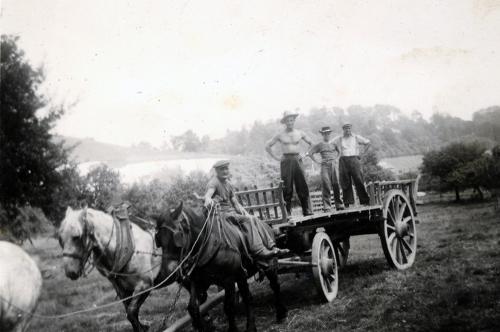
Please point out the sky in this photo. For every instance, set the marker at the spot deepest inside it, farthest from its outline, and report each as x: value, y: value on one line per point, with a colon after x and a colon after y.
x: 132, y: 71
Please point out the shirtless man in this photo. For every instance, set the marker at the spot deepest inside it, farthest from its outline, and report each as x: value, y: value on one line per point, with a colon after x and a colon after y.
x: 292, y: 169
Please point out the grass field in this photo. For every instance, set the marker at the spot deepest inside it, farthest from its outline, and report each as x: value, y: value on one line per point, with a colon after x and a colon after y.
x: 454, y: 285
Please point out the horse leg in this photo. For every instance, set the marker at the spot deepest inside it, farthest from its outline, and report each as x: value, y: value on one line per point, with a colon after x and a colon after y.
x: 281, y: 311
x: 248, y: 301
x: 230, y: 305
x: 194, y: 309
x: 132, y: 306
x: 133, y: 310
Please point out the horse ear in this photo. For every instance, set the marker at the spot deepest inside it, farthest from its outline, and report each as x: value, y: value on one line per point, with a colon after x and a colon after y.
x: 177, y: 212
x: 69, y: 209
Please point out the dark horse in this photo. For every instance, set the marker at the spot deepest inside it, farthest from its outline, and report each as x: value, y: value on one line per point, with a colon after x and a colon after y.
x: 211, y: 251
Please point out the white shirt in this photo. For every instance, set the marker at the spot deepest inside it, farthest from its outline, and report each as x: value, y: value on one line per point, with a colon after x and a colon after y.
x: 349, y: 146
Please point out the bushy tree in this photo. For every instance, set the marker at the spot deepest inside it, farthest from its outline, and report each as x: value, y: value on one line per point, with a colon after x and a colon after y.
x: 372, y: 171
x: 102, y: 187
x: 30, y: 161
x: 456, y: 165
x: 187, y: 142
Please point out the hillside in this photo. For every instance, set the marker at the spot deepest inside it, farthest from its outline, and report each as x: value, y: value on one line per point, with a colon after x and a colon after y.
x: 392, y: 132
x: 88, y: 150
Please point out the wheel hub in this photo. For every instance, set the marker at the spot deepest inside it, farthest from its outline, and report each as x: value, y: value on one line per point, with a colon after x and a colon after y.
x: 401, y: 229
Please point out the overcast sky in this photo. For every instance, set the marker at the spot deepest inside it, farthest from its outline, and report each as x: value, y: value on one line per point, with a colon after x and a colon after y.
x: 146, y: 70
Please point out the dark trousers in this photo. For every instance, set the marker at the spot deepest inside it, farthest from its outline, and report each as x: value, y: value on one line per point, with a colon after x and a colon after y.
x: 292, y: 172
x: 328, y: 182
x: 350, y: 168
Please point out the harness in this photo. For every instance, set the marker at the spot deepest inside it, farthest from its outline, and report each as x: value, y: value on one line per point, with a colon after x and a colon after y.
x: 91, y: 246
x: 189, y: 260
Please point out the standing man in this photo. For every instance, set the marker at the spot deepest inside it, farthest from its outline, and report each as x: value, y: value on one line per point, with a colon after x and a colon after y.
x: 291, y: 166
x: 350, y: 166
x: 329, y: 154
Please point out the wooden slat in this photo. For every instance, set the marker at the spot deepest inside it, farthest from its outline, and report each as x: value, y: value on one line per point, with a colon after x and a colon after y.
x: 258, y: 203
x: 249, y: 202
x: 264, y: 195
x: 273, y: 197
x: 256, y: 190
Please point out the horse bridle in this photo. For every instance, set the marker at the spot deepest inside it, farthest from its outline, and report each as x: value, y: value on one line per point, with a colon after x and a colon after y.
x: 186, y: 248
x: 87, y: 238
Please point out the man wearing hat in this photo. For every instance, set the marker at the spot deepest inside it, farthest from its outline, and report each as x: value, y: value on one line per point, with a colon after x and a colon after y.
x: 259, y: 235
x: 350, y: 166
x: 291, y: 166
x: 329, y: 154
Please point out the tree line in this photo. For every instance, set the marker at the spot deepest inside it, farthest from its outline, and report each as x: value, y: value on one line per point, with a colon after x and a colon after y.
x: 390, y: 130
x: 39, y: 179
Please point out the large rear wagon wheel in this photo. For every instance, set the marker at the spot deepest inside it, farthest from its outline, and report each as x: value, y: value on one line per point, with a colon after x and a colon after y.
x: 325, y: 270
x: 398, y: 232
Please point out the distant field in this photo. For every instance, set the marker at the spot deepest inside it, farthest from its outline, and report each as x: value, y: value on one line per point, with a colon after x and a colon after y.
x: 402, y: 164
x: 453, y: 286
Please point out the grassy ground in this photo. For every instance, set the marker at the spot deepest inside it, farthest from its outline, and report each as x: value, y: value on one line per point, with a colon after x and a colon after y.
x: 454, y: 285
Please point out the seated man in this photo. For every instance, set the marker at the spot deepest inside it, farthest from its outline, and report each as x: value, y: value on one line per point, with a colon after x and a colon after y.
x: 259, y: 236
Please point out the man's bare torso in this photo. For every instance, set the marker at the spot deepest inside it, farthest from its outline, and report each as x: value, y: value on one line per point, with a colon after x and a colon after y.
x: 290, y: 140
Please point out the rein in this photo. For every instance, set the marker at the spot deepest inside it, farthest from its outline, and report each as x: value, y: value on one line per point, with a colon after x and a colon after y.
x: 190, y: 260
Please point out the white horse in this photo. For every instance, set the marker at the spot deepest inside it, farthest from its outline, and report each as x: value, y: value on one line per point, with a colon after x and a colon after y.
x: 20, y: 286
x: 89, y: 232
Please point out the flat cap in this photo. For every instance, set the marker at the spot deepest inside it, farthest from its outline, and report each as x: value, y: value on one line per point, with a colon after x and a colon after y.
x: 325, y: 130
x: 346, y: 125
x: 221, y: 163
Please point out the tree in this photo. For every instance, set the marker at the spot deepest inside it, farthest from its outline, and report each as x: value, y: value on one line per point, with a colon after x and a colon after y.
x: 455, y: 166
x: 30, y: 161
x: 187, y: 142
x: 102, y: 187
x: 372, y: 171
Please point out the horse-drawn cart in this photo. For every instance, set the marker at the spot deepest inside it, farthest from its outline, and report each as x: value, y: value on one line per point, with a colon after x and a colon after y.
x: 320, y: 242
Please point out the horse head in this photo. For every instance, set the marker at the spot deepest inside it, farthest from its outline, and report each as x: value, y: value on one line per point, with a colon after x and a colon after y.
x: 76, y: 240
x: 171, y: 236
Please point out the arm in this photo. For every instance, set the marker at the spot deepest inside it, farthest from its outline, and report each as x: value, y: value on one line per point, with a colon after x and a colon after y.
x: 363, y: 141
x: 269, y: 146
x: 311, y: 153
x: 306, y: 139
x: 237, y: 206
x: 208, y: 196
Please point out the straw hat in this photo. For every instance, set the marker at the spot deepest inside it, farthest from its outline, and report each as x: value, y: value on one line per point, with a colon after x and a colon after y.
x: 287, y: 114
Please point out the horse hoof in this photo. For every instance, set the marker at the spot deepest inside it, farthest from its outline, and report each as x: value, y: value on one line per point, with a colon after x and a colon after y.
x: 144, y: 328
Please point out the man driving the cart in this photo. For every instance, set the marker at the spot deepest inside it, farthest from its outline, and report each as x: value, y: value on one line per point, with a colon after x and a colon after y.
x: 258, y: 235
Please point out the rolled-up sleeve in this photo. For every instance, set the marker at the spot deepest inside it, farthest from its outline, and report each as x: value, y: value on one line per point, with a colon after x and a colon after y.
x: 362, y: 140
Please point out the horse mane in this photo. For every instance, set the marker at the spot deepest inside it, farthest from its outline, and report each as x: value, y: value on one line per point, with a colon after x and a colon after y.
x: 196, y: 216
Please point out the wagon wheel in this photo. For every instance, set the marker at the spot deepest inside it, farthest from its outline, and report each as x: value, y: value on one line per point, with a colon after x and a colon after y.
x: 342, y: 248
x: 398, y: 233
x: 323, y: 257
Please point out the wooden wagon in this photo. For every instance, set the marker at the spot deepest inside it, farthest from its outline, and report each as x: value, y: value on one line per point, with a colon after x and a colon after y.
x: 320, y: 242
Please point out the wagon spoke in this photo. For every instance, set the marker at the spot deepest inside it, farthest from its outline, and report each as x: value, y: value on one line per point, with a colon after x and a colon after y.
x: 395, y: 208
x: 391, y: 227
x: 396, y: 251
x: 391, y: 219
x: 406, y: 245
x: 407, y: 219
x: 403, y: 254
x: 402, y: 211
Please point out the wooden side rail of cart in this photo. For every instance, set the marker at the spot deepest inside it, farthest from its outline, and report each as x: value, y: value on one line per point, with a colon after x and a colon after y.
x: 265, y: 203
